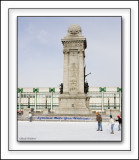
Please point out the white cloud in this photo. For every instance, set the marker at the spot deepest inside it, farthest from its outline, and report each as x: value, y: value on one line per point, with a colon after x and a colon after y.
x: 43, y: 37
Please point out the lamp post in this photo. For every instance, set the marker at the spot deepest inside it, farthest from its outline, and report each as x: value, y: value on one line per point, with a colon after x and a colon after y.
x: 102, y: 90
x: 51, y: 90
x: 114, y: 101
x: 20, y: 90
x: 35, y: 90
x: 46, y: 102
x: 119, y: 90
x: 108, y: 103
x: 28, y: 101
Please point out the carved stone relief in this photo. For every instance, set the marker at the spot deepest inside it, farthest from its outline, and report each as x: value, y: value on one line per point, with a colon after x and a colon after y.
x: 73, y: 78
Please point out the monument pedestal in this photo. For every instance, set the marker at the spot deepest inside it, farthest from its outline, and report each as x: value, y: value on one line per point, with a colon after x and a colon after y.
x: 45, y: 111
x: 73, y: 105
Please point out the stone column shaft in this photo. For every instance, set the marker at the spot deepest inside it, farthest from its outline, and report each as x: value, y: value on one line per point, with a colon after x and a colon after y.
x: 66, y: 73
x: 81, y: 71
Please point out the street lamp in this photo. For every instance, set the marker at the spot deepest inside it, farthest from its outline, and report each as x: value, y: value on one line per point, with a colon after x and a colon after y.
x: 114, y: 101
x: 28, y: 101
x: 46, y: 102
x: 108, y: 103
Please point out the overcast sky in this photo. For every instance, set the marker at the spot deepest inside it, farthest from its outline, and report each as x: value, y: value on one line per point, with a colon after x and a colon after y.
x: 40, y: 51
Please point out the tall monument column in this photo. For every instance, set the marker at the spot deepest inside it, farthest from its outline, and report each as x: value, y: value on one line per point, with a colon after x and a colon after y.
x: 73, y: 100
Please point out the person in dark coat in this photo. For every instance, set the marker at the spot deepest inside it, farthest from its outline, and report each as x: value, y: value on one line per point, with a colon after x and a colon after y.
x: 99, y: 119
x: 120, y: 122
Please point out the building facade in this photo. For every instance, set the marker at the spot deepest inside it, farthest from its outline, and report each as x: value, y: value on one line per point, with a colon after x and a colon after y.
x: 100, y: 98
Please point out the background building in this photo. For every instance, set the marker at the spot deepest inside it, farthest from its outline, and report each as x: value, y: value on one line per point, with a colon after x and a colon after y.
x: 101, y: 98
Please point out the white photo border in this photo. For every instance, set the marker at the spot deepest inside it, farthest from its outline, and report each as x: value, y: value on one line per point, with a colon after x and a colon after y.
x: 126, y: 70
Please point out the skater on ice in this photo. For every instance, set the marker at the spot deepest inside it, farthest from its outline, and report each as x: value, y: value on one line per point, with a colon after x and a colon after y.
x: 30, y: 117
x: 99, y: 119
x: 112, y: 124
x: 120, y: 122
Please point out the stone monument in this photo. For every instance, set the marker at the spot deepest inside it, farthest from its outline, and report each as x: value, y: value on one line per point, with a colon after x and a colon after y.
x: 73, y: 100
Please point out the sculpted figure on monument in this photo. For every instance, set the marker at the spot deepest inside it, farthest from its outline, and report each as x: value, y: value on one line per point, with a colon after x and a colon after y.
x: 61, y: 88
x: 86, y: 87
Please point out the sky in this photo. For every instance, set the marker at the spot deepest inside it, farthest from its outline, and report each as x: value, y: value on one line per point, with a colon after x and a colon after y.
x: 40, y: 50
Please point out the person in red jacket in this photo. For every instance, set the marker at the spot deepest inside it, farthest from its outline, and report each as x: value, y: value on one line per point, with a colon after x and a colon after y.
x: 120, y: 122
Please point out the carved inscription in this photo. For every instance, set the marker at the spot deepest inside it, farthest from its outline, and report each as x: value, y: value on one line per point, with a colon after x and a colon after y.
x: 73, y: 80
x: 73, y: 85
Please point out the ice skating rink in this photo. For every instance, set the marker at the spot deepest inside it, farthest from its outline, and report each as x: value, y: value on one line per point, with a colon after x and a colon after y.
x: 66, y: 131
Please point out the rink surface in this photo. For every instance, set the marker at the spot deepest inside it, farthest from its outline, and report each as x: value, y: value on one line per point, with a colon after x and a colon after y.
x: 66, y: 131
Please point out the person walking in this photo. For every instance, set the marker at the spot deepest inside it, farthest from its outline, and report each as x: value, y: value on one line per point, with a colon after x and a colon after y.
x: 112, y: 124
x: 30, y: 117
x: 99, y: 119
x: 120, y: 122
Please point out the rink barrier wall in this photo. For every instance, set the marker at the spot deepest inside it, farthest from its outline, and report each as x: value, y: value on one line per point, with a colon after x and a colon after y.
x: 63, y: 118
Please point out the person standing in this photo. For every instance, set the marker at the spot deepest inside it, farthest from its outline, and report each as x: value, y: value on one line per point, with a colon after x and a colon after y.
x: 99, y: 119
x: 30, y: 117
x: 112, y: 124
x: 120, y: 122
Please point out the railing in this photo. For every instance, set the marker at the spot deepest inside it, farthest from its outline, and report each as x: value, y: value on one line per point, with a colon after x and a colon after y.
x: 39, y: 106
x: 106, y: 106
x: 55, y: 105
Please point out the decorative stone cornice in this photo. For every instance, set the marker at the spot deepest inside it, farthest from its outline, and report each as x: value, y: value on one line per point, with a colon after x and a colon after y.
x: 74, y: 43
x: 73, y: 40
x: 65, y: 51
